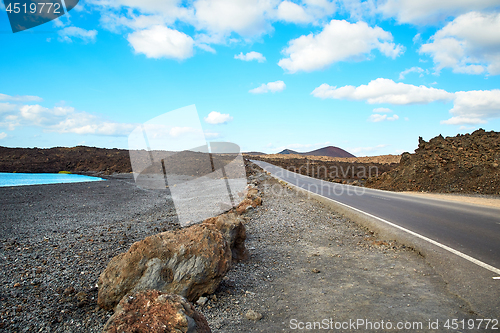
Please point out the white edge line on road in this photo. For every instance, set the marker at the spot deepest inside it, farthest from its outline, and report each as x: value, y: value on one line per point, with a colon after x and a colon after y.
x: 458, y: 253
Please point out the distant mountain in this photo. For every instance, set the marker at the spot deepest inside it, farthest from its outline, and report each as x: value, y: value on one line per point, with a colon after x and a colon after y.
x: 329, y: 151
x: 289, y: 151
x: 254, y: 153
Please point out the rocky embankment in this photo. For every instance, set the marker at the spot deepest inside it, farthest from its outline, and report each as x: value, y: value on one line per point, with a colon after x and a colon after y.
x: 463, y: 164
x: 53, y: 160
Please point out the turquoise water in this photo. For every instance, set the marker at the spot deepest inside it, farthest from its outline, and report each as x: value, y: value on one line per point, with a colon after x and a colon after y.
x: 18, y: 179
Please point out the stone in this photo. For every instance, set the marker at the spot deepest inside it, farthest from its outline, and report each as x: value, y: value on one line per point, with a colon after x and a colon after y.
x: 252, y: 315
x: 81, y: 296
x: 68, y: 291
x: 189, y: 262
x: 202, y: 301
x: 154, y: 312
x: 252, y: 193
x: 257, y: 201
x: 233, y: 229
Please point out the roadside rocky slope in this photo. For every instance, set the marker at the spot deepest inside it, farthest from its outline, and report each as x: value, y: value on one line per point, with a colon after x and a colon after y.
x: 464, y: 164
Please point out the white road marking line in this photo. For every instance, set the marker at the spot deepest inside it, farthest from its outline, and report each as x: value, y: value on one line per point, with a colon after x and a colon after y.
x: 447, y: 248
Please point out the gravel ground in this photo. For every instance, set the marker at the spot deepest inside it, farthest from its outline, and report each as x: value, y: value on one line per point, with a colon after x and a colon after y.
x: 306, y: 262
x: 56, y: 240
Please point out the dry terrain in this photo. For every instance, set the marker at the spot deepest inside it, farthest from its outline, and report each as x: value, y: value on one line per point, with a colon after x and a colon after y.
x: 306, y: 263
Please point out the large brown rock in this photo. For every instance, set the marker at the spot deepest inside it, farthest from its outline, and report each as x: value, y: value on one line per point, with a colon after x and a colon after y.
x: 154, y: 312
x: 233, y: 229
x: 189, y: 262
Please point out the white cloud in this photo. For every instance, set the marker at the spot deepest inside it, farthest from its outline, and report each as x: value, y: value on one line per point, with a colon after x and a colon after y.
x: 215, y: 118
x: 3, y: 135
x: 273, y: 87
x: 382, y: 110
x: 210, y: 21
x: 358, y: 150
x: 250, y: 56
x: 384, y: 91
x: 375, y: 118
x: 168, y: 9
x: 430, y: 11
x: 25, y: 98
x: 417, y: 38
x: 211, y: 135
x: 339, y: 41
x: 162, y: 42
x: 411, y: 70
x: 469, y: 44
x: 7, y: 107
x: 179, y: 131
x: 247, y: 18
x: 291, y: 12
x: 62, y: 120
x: 69, y: 33
x: 474, y: 107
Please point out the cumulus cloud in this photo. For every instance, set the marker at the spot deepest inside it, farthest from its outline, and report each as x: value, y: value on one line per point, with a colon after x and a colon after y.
x: 474, y: 107
x: 382, y: 110
x: 411, y: 70
x: 384, y: 91
x: 273, y: 87
x: 469, y: 44
x: 62, y: 119
x: 162, y: 42
x: 3, y: 135
x: 250, y: 56
x: 291, y: 12
x: 469, y: 107
x: 215, y: 118
x: 25, y: 98
x: 210, y: 21
x: 364, y: 150
x: 68, y: 34
x: 247, y: 18
x: 417, y: 38
x: 211, y: 135
x: 428, y: 11
x: 375, y: 118
x: 339, y: 41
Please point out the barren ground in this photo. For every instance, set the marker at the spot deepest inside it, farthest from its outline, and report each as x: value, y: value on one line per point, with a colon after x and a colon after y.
x: 306, y: 262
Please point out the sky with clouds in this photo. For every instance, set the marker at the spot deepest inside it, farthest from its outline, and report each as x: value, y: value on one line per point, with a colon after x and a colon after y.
x: 367, y: 76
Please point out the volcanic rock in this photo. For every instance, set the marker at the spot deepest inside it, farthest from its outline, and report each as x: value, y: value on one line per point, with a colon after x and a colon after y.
x: 154, y: 312
x: 233, y: 229
x: 189, y: 262
x: 465, y: 164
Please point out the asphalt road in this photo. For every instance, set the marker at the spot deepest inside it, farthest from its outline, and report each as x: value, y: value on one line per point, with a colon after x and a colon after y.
x: 470, y: 229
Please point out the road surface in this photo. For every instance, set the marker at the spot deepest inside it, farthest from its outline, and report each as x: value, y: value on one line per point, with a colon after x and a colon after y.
x: 469, y: 229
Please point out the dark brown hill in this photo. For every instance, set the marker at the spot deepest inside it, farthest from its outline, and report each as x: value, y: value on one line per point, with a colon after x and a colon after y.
x: 76, y: 159
x: 329, y: 151
x: 465, y: 164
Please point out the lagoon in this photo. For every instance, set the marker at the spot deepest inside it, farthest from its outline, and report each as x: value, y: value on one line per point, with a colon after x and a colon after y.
x: 20, y: 179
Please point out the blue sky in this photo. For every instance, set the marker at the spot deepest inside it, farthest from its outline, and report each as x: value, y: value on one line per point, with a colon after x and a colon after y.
x: 367, y: 76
